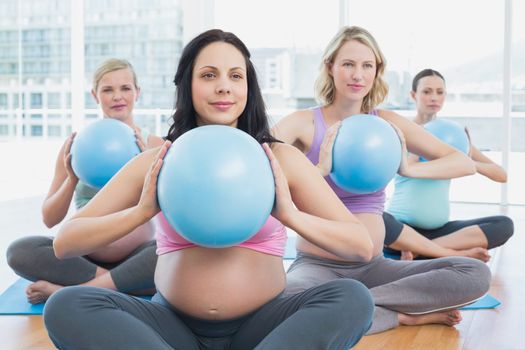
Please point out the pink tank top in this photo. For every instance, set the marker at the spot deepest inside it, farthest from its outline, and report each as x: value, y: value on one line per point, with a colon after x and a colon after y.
x: 356, y: 203
x: 271, y: 238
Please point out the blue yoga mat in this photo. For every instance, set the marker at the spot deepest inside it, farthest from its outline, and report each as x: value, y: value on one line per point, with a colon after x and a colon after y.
x: 486, y: 302
x: 14, y: 301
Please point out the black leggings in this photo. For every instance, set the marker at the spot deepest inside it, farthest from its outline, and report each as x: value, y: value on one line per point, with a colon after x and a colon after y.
x: 497, y: 229
x: 332, y: 316
x: 33, y: 258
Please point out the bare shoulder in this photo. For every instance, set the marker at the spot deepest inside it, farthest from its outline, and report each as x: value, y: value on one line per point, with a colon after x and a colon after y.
x: 296, y: 129
x: 300, y: 117
x: 295, y: 121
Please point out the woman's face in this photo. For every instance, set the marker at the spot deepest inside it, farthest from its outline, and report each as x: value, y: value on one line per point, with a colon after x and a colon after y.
x: 219, y: 85
x: 354, y: 70
x: 116, y: 93
x: 429, y: 95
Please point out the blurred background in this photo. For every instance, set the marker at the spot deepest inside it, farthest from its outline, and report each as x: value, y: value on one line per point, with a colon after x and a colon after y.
x: 50, y: 48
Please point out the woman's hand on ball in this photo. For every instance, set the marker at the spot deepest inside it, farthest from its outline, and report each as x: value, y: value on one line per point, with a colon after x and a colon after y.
x: 404, y: 164
x: 283, y: 206
x: 325, y: 154
x: 67, y: 158
x: 140, y: 140
x: 148, y: 199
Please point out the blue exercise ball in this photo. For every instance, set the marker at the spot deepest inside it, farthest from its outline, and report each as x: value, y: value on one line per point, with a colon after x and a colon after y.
x: 366, y: 154
x: 450, y: 132
x: 216, y: 186
x: 101, y: 149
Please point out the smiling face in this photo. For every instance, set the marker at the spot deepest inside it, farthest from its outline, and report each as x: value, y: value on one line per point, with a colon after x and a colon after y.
x: 116, y: 93
x: 219, y: 85
x: 429, y: 96
x: 353, y: 70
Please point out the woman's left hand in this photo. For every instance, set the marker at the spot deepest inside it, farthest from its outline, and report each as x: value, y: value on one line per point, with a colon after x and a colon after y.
x: 283, y: 207
x: 404, y: 165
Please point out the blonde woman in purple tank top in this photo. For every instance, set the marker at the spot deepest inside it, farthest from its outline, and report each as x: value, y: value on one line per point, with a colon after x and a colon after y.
x: 405, y: 292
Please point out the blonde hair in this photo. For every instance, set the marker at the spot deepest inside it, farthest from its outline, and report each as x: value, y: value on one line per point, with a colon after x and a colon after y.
x: 324, y: 84
x: 112, y: 65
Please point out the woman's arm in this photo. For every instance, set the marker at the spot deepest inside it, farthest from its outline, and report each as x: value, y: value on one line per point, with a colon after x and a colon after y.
x: 306, y: 204
x: 445, y: 162
x: 58, y: 199
x: 127, y: 201
x: 486, y: 167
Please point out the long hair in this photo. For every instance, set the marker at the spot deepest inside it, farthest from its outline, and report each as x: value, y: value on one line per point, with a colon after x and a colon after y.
x: 253, y: 119
x: 324, y: 84
x: 425, y: 73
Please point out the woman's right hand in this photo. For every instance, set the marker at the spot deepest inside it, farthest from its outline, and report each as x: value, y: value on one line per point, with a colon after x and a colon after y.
x: 67, y: 158
x: 325, y: 154
x: 148, y: 203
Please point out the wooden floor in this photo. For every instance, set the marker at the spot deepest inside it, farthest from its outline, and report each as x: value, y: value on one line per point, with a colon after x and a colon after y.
x: 499, y: 329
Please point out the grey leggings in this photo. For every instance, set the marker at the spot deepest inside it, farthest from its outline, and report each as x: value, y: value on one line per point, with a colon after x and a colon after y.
x: 333, y: 316
x: 410, y: 287
x: 497, y: 229
x: 33, y: 258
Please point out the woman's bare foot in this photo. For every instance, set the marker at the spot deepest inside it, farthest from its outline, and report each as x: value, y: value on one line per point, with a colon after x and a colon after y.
x: 476, y: 253
x: 38, y: 292
x: 407, y: 255
x: 448, y: 318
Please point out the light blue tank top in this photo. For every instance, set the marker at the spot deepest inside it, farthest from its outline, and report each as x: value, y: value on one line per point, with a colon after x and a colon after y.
x: 422, y: 203
x: 84, y: 193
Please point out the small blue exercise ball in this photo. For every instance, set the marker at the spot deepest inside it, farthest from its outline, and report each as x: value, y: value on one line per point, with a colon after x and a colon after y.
x: 450, y: 132
x: 366, y: 154
x: 216, y: 186
x: 101, y: 149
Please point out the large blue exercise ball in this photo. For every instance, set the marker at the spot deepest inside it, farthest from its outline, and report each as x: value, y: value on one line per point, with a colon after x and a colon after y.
x: 366, y: 154
x: 450, y: 132
x: 216, y: 186
x: 101, y: 149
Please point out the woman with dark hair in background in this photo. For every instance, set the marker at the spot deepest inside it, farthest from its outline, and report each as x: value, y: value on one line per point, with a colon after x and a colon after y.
x: 417, y: 221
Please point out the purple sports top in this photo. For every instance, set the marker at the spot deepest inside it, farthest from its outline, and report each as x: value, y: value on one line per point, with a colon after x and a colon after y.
x: 357, y: 203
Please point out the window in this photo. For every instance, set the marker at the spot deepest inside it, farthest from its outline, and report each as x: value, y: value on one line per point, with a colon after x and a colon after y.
x: 3, y: 101
x: 53, y: 100
x: 54, y: 131
x: 36, y: 130
x: 36, y: 100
